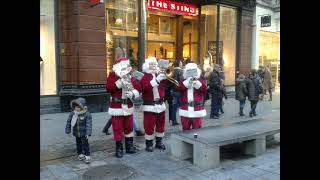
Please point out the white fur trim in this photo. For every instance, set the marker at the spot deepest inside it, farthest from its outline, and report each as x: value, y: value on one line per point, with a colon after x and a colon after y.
x: 190, y: 98
x: 136, y: 93
x: 129, y: 135
x: 119, y: 83
x: 154, y: 108
x: 186, y: 83
x: 192, y: 114
x: 159, y: 134
x: 148, y: 137
x: 120, y: 112
x: 154, y: 83
x: 197, y: 84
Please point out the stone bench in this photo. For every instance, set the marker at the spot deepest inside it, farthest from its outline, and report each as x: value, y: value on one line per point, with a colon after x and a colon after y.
x: 205, y: 149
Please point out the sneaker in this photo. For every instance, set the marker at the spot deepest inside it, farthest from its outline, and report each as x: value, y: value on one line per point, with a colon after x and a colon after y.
x: 215, y: 117
x: 81, y: 157
x: 87, y: 159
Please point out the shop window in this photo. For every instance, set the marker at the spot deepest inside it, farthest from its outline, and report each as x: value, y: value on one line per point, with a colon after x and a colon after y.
x: 228, y: 38
x: 208, y: 35
x: 190, y: 38
x: 48, y: 80
x: 121, y: 31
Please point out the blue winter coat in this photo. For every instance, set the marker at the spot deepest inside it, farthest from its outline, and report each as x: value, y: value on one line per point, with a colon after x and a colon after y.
x: 83, y: 125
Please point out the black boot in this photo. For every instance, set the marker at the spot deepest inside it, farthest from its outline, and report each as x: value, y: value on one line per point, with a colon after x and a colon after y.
x: 129, y: 145
x: 149, y: 145
x: 159, y: 144
x: 119, y: 149
x: 241, y: 112
x: 250, y: 114
x: 139, y: 133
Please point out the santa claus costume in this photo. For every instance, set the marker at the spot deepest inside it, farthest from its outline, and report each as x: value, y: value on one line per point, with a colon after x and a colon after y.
x: 192, y: 97
x: 121, y: 106
x: 153, y: 93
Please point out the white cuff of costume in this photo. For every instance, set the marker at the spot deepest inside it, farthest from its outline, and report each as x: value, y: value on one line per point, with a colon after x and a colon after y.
x: 149, y: 137
x: 197, y: 84
x: 136, y: 93
x: 129, y: 135
x: 119, y: 83
x: 154, y: 83
x: 159, y: 134
x: 186, y: 83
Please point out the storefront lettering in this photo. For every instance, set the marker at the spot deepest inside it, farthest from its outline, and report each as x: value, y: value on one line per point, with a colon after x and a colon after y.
x: 172, y: 7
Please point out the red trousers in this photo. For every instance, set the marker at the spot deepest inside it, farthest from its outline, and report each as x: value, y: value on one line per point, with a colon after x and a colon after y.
x: 187, y: 122
x: 120, y: 125
x: 153, y: 120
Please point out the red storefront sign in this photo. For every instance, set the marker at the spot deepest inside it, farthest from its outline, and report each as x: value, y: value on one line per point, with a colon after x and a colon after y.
x: 95, y: 2
x: 172, y: 7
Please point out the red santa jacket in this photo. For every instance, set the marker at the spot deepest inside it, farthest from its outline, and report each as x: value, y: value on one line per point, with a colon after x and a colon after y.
x: 147, y: 85
x: 114, y: 87
x: 192, y: 99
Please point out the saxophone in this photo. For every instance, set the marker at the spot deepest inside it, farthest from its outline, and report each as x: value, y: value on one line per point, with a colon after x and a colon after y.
x: 127, y: 83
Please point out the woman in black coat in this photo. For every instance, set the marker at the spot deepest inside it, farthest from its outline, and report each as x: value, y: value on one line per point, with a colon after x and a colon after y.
x: 241, y: 92
x: 255, y: 88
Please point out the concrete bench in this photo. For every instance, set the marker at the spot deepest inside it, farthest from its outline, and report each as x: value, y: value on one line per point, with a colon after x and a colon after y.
x: 205, y: 149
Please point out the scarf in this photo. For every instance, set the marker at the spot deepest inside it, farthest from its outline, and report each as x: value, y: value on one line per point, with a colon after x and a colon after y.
x: 76, y: 115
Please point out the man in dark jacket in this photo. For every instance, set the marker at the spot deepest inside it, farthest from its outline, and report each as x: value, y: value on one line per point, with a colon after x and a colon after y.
x: 241, y: 92
x: 255, y: 88
x: 215, y: 91
x: 175, y: 94
x: 80, y: 121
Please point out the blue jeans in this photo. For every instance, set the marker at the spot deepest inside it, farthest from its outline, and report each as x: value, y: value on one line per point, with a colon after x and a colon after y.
x: 175, y: 105
x: 135, y: 123
x: 242, y: 103
x: 215, y: 105
x: 82, y: 146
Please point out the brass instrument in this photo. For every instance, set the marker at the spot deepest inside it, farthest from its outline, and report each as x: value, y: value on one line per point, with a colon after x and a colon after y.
x: 168, y: 72
x: 127, y: 83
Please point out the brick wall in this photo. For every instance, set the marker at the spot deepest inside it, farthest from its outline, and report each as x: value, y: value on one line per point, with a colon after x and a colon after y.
x: 82, y: 37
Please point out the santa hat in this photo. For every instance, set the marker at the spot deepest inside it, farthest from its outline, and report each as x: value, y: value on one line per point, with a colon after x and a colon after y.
x: 190, y: 66
x: 119, y: 63
x: 145, y: 66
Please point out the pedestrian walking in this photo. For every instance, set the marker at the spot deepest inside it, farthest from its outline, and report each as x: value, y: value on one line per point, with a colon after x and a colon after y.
x: 175, y: 93
x: 215, y: 91
x: 192, y: 90
x: 255, y: 88
x: 241, y: 92
x: 80, y: 121
x: 223, y: 88
x: 267, y: 82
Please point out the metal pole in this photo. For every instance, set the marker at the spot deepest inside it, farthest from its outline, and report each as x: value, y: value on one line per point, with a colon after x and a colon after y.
x: 141, y: 32
x: 218, y: 34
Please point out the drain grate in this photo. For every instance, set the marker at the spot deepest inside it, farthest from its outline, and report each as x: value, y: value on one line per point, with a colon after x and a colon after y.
x: 110, y: 172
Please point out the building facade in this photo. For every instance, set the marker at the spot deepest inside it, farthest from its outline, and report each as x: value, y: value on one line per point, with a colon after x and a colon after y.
x: 266, y: 37
x: 90, y: 35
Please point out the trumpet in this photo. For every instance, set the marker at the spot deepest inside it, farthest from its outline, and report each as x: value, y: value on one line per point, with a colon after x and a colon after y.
x: 168, y: 72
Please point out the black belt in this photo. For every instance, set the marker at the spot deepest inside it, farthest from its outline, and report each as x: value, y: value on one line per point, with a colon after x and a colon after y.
x: 121, y: 101
x: 160, y: 101
x: 193, y: 103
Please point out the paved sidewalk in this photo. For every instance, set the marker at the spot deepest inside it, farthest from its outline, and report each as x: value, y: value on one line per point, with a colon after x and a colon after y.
x: 54, y: 143
x: 58, y: 160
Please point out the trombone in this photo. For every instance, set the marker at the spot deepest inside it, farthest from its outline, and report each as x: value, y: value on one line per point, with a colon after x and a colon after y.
x: 168, y: 72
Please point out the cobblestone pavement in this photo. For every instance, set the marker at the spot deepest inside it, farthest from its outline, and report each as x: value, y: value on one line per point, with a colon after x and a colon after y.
x: 58, y: 160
